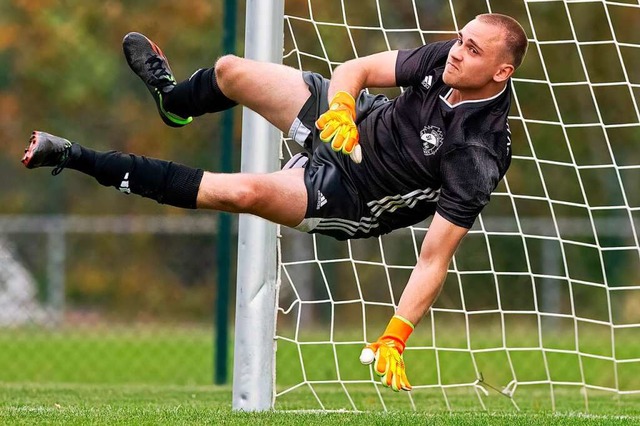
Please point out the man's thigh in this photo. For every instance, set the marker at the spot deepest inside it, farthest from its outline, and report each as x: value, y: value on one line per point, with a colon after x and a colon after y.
x: 276, y: 92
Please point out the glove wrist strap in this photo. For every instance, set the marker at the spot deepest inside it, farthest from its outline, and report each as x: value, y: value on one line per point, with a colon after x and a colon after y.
x: 399, y: 329
x: 345, y: 100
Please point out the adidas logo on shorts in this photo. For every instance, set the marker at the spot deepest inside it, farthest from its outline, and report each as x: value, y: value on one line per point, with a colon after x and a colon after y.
x: 321, y: 200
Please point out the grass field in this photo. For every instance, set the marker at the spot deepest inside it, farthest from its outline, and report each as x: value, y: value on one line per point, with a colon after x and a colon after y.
x: 162, y: 375
x: 176, y: 405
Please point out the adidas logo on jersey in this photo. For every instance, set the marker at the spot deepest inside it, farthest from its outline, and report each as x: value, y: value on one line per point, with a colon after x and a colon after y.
x: 428, y: 80
x: 124, y: 185
x: 322, y: 200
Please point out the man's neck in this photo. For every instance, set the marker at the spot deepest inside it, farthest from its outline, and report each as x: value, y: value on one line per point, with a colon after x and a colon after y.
x: 486, y: 92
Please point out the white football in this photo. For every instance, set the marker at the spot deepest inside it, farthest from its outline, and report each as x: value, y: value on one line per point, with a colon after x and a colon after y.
x: 367, y: 356
x: 356, y: 154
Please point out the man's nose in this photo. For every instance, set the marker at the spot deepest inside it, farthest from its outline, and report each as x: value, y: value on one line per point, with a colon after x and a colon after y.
x: 456, y: 52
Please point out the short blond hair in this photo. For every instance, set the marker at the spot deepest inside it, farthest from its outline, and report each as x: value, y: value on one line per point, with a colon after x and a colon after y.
x: 516, y: 39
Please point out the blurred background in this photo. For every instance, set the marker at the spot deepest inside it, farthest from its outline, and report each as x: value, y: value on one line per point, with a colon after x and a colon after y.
x: 100, y: 287
x: 97, y: 286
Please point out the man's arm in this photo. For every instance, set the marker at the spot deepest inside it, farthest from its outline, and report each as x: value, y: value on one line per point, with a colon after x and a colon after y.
x: 427, y: 278
x: 377, y: 70
x: 338, y: 124
x: 421, y: 291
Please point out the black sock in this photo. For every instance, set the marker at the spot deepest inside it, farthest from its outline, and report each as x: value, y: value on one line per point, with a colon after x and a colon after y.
x: 82, y: 159
x: 198, y: 95
x: 163, y: 181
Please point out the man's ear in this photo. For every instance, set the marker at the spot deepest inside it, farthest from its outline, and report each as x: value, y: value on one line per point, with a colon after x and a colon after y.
x: 503, y: 73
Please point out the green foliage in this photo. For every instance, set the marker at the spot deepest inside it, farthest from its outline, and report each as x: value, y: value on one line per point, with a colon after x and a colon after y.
x: 62, y: 70
x: 66, y: 73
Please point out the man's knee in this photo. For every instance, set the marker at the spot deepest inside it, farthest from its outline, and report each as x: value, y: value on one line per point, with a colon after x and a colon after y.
x: 247, y: 196
x: 227, y: 70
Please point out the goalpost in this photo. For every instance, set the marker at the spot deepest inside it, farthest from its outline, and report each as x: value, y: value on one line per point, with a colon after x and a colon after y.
x: 539, y: 309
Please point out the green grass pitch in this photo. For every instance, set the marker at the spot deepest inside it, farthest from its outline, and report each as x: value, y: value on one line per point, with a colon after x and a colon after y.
x: 178, y: 405
x: 163, y: 375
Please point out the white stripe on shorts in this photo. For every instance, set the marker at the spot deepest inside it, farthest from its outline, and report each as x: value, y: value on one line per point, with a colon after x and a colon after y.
x: 393, y: 202
x: 366, y: 224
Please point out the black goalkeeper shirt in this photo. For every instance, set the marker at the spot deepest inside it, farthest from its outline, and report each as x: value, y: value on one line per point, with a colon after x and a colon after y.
x: 422, y: 155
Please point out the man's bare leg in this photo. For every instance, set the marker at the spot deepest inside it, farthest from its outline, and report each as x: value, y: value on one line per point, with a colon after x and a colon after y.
x: 280, y: 197
x: 276, y: 92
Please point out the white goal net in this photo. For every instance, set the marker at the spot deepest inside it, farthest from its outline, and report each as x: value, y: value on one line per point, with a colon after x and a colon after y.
x: 540, y: 307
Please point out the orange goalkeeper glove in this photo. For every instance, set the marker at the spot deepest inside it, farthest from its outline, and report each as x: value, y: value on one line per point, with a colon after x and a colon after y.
x: 387, y: 354
x: 339, y: 128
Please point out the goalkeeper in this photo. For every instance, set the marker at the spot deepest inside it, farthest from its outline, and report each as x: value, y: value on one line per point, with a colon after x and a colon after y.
x: 369, y: 164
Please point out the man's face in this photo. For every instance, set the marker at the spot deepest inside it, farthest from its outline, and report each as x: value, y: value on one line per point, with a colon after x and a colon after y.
x: 475, y: 57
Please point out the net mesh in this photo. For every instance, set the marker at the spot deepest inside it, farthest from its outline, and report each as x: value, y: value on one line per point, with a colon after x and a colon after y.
x: 539, y: 306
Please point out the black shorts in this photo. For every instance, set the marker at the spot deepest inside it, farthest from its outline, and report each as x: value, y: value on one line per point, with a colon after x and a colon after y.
x: 334, y: 207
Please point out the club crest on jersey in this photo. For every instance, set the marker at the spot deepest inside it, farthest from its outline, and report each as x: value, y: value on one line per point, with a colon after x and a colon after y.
x: 431, y: 137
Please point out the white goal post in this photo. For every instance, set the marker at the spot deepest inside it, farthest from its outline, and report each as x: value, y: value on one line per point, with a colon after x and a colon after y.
x: 539, y: 309
x: 254, y: 363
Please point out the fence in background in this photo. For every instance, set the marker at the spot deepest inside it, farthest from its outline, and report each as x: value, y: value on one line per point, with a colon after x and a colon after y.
x: 107, y: 299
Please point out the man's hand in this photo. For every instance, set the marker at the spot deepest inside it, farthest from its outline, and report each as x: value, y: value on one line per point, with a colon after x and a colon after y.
x: 388, y: 363
x: 387, y: 354
x: 338, y: 127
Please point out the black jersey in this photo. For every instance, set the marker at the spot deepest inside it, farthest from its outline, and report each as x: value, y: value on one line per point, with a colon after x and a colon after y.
x: 422, y: 155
